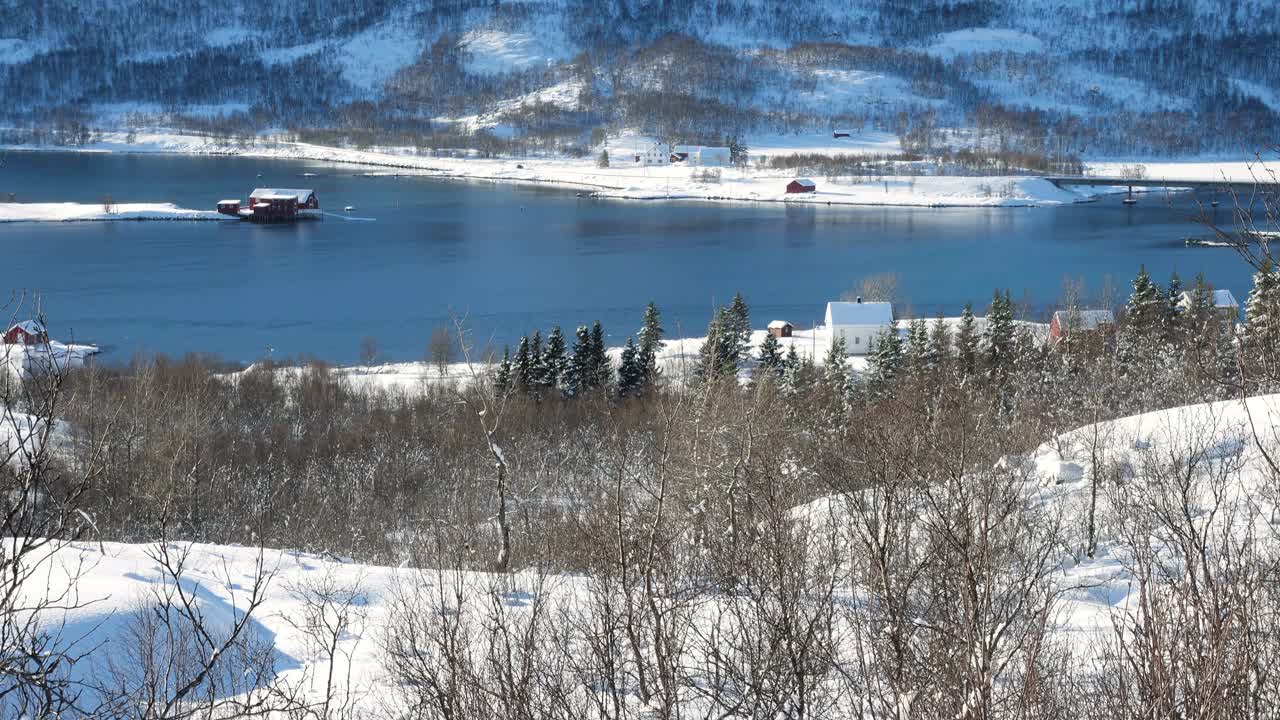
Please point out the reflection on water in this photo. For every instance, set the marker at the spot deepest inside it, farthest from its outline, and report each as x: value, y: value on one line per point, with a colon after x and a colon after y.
x: 511, y: 258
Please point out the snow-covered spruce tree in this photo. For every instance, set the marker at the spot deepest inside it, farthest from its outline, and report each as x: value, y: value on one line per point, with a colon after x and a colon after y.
x: 1200, y: 309
x: 537, y: 382
x: 601, y: 367
x: 502, y: 378
x: 886, y: 359
x: 579, y: 377
x: 967, y: 341
x: 835, y: 367
x: 770, y: 356
x: 630, y: 372
x: 719, y: 355
x: 555, y: 361
x: 1262, y: 308
x: 650, y: 340
x: 939, y: 343
x: 997, y: 339
x: 1145, y: 312
x: 798, y: 374
x: 917, y: 346
x: 739, y: 325
x: 1173, y: 314
x: 524, y: 371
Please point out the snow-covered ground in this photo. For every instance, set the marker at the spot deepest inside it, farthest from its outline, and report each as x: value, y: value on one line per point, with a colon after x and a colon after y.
x: 77, y: 212
x: 114, y: 580
x: 18, y: 361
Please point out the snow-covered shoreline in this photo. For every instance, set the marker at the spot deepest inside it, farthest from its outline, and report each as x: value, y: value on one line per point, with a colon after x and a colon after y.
x: 630, y: 182
x: 97, y: 212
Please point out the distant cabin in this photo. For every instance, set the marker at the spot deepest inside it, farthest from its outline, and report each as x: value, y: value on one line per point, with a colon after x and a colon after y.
x: 659, y: 154
x: 229, y: 207
x: 1065, y: 322
x: 303, y: 199
x: 858, y: 323
x: 1223, y: 301
x: 802, y: 185
x: 28, y: 332
x: 781, y: 329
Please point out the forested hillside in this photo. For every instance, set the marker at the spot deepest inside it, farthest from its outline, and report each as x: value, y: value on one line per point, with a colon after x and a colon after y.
x: 1085, y: 76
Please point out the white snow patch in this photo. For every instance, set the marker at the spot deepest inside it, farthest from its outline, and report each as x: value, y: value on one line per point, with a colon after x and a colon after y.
x: 68, y: 212
x: 494, y: 52
x: 372, y: 57
x: 983, y: 40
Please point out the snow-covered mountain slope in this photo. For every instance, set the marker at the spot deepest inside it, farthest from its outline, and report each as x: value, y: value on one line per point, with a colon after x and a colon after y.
x: 1112, y: 73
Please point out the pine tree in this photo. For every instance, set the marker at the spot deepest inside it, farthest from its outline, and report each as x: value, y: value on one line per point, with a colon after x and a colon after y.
x: 537, y: 381
x: 1200, y: 310
x: 739, y: 326
x: 601, y: 367
x: 939, y: 342
x: 523, y: 367
x: 502, y: 380
x: 917, y: 346
x: 835, y: 366
x: 771, y: 355
x: 555, y: 362
x: 967, y: 340
x: 1172, y: 306
x: 579, y: 378
x: 886, y: 359
x: 798, y: 374
x: 1262, y: 308
x: 998, y: 338
x: 650, y: 341
x: 1146, y: 309
x: 630, y: 371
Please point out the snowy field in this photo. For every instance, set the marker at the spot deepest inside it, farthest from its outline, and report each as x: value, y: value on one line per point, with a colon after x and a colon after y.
x: 96, y: 212
x: 1096, y: 594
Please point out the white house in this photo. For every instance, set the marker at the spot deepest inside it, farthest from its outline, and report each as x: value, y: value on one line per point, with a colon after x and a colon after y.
x: 702, y: 156
x: 656, y: 154
x: 1223, y: 301
x: 858, y: 323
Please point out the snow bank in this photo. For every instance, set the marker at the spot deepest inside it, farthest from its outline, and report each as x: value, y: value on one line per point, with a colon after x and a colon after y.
x: 76, y: 212
x: 983, y: 40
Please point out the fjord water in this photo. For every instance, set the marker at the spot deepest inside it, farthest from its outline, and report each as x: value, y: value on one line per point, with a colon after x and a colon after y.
x: 511, y: 258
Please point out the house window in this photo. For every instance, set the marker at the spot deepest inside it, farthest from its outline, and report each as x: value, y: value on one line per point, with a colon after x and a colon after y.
x: 857, y: 340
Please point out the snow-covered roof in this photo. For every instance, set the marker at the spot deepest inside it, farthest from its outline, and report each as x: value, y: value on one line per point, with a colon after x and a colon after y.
x: 30, y: 327
x: 1221, y: 299
x: 778, y: 324
x: 1085, y: 319
x: 228, y: 202
x: 277, y: 196
x: 859, y: 313
x: 302, y: 195
x: 806, y: 182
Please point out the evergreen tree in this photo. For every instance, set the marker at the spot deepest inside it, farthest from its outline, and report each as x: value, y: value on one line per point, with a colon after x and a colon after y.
x: 1172, y: 309
x: 1262, y: 308
x: 836, y: 367
x: 886, y: 358
x: 720, y: 353
x: 998, y: 338
x: 917, y: 346
x: 502, y: 380
x: 580, y: 375
x: 771, y: 355
x: 555, y: 361
x: 537, y: 381
x: 798, y: 374
x: 650, y: 342
x: 1146, y: 309
x: 1200, y: 310
x: 967, y: 340
x: 524, y: 372
x: 601, y: 367
x: 739, y: 327
x: 939, y: 342
x: 630, y: 371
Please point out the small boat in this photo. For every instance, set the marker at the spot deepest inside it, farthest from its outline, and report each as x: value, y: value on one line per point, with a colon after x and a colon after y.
x: 1213, y: 203
x: 1130, y: 201
x: 349, y: 208
x: 308, y: 174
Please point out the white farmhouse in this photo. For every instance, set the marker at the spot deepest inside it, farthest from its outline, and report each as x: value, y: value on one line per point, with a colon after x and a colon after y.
x: 702, y: 156
x: 858, y: 323
x: 656, y: 154
x: 1223, y: 301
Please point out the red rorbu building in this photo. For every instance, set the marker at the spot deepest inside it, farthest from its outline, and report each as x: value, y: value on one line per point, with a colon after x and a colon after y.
x: 29, y: 332
x: 802, y: 185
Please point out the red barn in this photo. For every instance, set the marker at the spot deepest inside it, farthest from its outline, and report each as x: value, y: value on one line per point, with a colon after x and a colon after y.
x: 29, y: 332
x: 802, y: 185
x: 306, y: 199
x: 1065, y: 322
